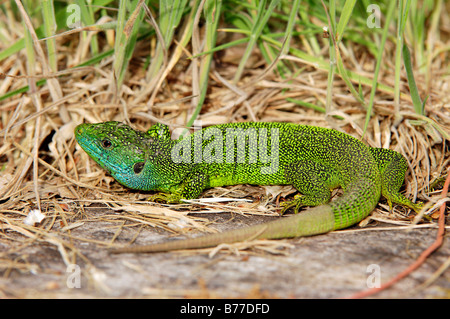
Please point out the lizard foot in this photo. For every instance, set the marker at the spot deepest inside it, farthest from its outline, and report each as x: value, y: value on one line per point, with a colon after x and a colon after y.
x: 417, y: 207
x: 297, y: 202
x: 165, y: 198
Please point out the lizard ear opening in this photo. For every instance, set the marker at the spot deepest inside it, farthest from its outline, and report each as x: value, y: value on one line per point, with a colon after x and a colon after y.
x: 137, y: 168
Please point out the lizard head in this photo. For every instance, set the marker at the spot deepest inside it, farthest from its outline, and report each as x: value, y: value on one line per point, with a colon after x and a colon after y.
x: 136, y: 159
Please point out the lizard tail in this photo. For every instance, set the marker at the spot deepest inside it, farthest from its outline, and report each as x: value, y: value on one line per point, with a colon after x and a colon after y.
x: 313, y: 221
x: 359, y: 199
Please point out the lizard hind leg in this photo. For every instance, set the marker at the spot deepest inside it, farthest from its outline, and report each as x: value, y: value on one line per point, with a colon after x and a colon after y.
x: 313, y: 180
x: 393, y: 167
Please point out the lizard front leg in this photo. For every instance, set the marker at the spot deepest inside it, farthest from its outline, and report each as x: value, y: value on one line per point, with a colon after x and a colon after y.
x: 191, y: 187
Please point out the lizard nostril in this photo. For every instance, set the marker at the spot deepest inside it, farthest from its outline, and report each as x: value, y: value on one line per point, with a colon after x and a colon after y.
x: 79, y: 129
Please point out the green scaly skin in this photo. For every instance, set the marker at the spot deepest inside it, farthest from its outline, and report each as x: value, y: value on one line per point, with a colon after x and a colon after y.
x: 314, y: 160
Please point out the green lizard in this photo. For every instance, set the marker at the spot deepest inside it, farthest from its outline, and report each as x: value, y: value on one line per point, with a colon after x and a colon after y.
x: 314, y: 160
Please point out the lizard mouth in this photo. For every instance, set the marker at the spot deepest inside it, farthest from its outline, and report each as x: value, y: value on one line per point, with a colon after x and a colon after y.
x: 91, y: 147
x: 79, y: 130
x: 87, y: 144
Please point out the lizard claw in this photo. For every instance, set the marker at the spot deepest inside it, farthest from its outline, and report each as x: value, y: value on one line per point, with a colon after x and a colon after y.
x: 165, y: 198
x: 297, y: 202
x: 158, y: 197
x: 417, y: 207
x: 390, y: 205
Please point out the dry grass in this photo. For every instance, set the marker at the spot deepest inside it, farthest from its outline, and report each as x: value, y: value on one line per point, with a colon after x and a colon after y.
x: 43, y: 168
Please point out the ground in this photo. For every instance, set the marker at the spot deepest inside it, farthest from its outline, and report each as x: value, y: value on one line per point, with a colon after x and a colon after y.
x: 332, y: 265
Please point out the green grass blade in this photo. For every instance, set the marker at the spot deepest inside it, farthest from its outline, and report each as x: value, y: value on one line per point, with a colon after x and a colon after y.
x: 332, y: 52
x: 170, y: 14
x: 379, y: 55
x: 87, y: 17
x: 49, y: 30
x: 343, y: 19
x: 120, y: 44
x: 260, y: 22
x: 14, y: 48
x: 308, y: 105
x: 417, y: 102
x: 291, y: 25
x: 212, y: 11
x: 402, y: 16
x: 126, y: 36
x: 23, y: 89
x: 346, y: 12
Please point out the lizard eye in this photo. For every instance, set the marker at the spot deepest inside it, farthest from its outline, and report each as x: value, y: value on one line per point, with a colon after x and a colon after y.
x: 106, y: 143
x: 137, y: 168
